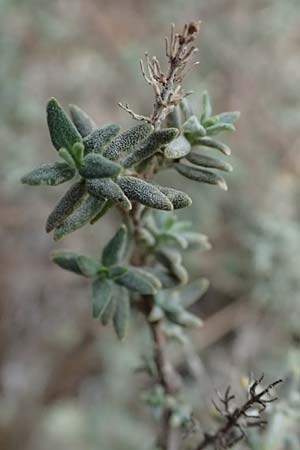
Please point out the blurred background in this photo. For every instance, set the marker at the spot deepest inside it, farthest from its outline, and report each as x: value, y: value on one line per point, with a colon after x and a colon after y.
x: 67, y: 383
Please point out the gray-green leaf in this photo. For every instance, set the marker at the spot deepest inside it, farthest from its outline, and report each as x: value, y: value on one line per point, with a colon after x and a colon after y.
x: 96, y: 141
x: 102, y: 294
x: 84, y: 124
x: 88, y: 266
x: 122, y: 314
x: 108, y: 312
x: 192, y: 127
x: 202, y: 176
x: 107, y: 188
x: 114, y: 251
x: 97, y: 166
x: 178, y: 148
x: 207, y: 161
x: 67, y: 260
x: 209, y: 142
x: 49, y: 174
x: 140, y: 281
x: 63, y: 132
x: 178, y: 199
x: 206, y: 107
x: 127, y: 141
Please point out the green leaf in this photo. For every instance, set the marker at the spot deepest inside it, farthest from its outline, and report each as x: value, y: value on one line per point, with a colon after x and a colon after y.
x: 192, y: 127
x: 167, y: 280
x: 191, y: 293
x: 178, y: 199
x: 144, y: 193
x: 108, y: 204
x: 67, y: 260
x: 175, y: 238
x: 50, y: 174
x: 228, y: 117
x: 171, y: 259
x: 88, y: 266
x: 98, y: 139
x: 209, y: 142
x: 114, y: 251
x: 109, y: 311
x: 173, y: 119
x: 64, y: 154
x: 122, y: 314
x: 207, y: 161
x: 185, y: 108
x: 77, y: 152
x: 116, y: 272
x: 184, y: 318
x: 145, y: 236
x: 66, y: 205
x: 202, y: 176
x: 219, y: 128
x: 196, y: 239
x: 140, y: 281
x: 151, y: 145
x: 178, y: 148
x: 82, y: 215
x: 84, y: 124
x: 206, y: 107
x: 96, y: 166
x: 102, y: 295
x: 63, y: 132
x: 127, y: 141
x: 109, y: 189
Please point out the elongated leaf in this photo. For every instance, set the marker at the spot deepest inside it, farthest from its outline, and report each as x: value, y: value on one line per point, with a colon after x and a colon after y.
x: 151, y: 145
x: 49, y: 174
x: 178, y: 148
x: 127, y: 141
x: 66, y: 205
x: 122, y: 314
x: 88, y: 266
x: 206, y: 107
x: 102, y: 295
x: 82, y: 215
x: 96, y: 166
x: 196, y: 239
x: 192, y: 127
x: 167, y: 280
x: 219, y: 128
x: 65, y: 154
x: 98, y: 139
x: 67, y: 260
x: 108, y: 204
x: 191, y: 293
x: 145, y: 236
x: 144, y: 193
x: 174, y: 118
x: 175, y: 238
x: 109, y: 311
x: 140, y: 281
x: 185, y: 108
x: 202, y: 176
x: 116, y: 272
x: 77, y: 152
x: 63, y: 132
x: 209, y: 142
x: 228, y: 116
x: 114, y: 251
x: 83, y: 122
x: 207, y: 161
x: 184, y: 319
x: 171, y: 259
x: 107, y: 188
x: 178, y: 199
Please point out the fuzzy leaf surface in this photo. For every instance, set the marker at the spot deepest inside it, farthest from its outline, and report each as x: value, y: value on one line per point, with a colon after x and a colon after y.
x: 63, y: 132
x: 49, y: 174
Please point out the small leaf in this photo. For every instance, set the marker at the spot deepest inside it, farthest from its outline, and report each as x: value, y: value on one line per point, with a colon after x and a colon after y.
x: 64, y: 154
x: 206, y: 107
x: 145, y: 236
x: 77, y: 152
x: 96, y: 166
x: 108, y: 204
x: 151, y: 145
x: 127, y: 141
x: 178, y: 199
x: 207, y: 161
x: 219, y: 128
x: 209, y: 142
x: 67, y: 260
x: 88, y: 266
x: 84, y: 124
x: 185, y: 108
x: 175, y: 238
x: 202, y: 176
x: 193, y: 239
x: 191, y: 293
x: 144, y: 193
x: 82, y: 215
x: 192, y: 127
x: 185, y: 319
x: 122, y: 314
x: 114, y: 251
x: 109, y: 311
x: 140, y: 281
x: 102, y: 295
x: 98, y: 139
x: 173, y: 119
x: 228, y: 117
x: 116, y: 272
x: 167, y: 280
x: 66, y: 205
x: 63, y: 132
x: 109, y: 189
x: 171, y: 259
x: 50, y: 174
x: 178, y: 148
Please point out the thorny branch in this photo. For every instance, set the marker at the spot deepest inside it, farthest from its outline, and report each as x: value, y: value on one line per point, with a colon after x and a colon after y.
x: 238, y: 419
x: 167, y: 85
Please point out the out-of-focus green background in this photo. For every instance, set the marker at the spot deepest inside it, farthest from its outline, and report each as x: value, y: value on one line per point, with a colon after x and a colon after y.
x: 65, y: 382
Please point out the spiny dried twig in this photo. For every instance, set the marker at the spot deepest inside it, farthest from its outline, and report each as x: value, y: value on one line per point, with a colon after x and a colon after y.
x: 167, y: 85
x: 238, y: 419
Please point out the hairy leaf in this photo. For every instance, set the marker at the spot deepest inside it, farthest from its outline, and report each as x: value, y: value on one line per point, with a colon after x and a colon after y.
x: 185, y: 108
x: 67, y: 260
x: 178, y: 148
x: 228, y: 116
x: 109, y: 189
x: 209, y: 142
x: 193, y: 292
x: 202, y: 176
x: 178, y: 199
x: 192, y: 127
x: 127, y: 141
x: 84, y: 124
x: 171, y: 259
x: 108, y: 204
x: 114, y: 251
x: 86, y: 212
x: 63, y: 132
x: 102, y: 295
x: 122, y: 314
x: 206, y: 107
x: 145, y: 236
x: 96, y: 166
x: 207, y: 161
x: 174, y: 118
x: 49, y: 174
x: 88, y: 266
x: 98, y: 139
x: 65, y: 155
x: 144, y: 193
x: 109, y: 311
x: 77, y: 152
x: 140, y: 281
x: 193, y: 239
x: 151, y: 145
x: 167, y: 280
x: 219, y: 128
x: 116, y: 272
x: 66, y: 205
